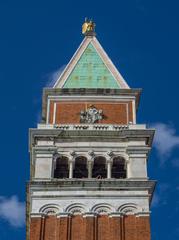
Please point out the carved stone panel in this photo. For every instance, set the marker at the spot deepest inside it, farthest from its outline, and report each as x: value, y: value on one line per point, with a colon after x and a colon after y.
x: 91, y: 115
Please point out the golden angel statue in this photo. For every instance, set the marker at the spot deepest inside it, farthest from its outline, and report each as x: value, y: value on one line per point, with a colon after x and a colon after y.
x: 88, y: 26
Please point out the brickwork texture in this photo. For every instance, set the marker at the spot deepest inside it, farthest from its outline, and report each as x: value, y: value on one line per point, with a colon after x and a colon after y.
x: 90, y: 228
x: 113, y: 113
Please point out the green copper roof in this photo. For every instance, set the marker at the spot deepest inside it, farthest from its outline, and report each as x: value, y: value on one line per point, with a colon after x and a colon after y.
x: 90, y: 72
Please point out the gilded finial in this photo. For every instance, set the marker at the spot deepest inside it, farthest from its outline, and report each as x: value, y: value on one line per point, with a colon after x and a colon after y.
x: 88, y: 27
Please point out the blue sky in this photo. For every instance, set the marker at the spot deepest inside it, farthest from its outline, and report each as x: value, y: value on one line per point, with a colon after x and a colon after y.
x: 39, y: 37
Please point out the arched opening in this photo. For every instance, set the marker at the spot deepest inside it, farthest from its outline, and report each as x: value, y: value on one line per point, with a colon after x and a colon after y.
x: 80, y: 170
x: 61, y: 170
x: 99, y: 168
x: 119, y: 168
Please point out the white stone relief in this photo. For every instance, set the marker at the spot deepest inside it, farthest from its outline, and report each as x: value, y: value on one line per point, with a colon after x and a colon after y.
x: 102, y: 209
x: 76, y: 209
x: 129, y: 209
x: 89, y: 127
x: 99, y: 209
x: 90, y: 115
x: 50, y: 209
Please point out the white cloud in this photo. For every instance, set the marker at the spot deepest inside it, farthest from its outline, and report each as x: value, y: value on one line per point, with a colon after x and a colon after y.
x: 160, y: 196
x: 165, y: 139
x: 12, y: 211
x: 155, y: 200
x: 53, y: 76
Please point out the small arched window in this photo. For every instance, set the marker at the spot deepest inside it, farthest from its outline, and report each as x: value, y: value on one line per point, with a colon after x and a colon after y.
x: 119, y: 168
x: 80, y: 170
x: 99, y: 168
x: 61, y: 170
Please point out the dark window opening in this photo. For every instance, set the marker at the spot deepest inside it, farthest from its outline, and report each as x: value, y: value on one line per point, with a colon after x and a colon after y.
x: 61, y: 170
x: 80, y: 170
x: 99, y: 168
x: 118, y: 168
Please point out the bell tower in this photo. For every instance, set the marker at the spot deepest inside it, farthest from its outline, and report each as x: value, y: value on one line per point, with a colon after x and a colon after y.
x: 88, y: 156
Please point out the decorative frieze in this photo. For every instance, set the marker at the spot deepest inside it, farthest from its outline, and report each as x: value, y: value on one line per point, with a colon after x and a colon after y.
x: 86, y: 211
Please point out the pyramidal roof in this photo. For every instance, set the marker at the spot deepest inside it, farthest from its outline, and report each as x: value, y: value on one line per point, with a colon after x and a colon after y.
x: 90, y: 67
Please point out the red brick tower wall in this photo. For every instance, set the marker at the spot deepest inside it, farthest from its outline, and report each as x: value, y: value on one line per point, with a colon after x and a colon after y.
x: 69, y: 112
x: 90, y: 228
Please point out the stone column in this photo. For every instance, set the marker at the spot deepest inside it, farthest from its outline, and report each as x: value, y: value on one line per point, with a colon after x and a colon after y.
x: 90, y: 167
x: 109, y: 164
x: 71, y: 163
x: 128, y: 169
x: 90, y: 163
x: 71, y: 169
